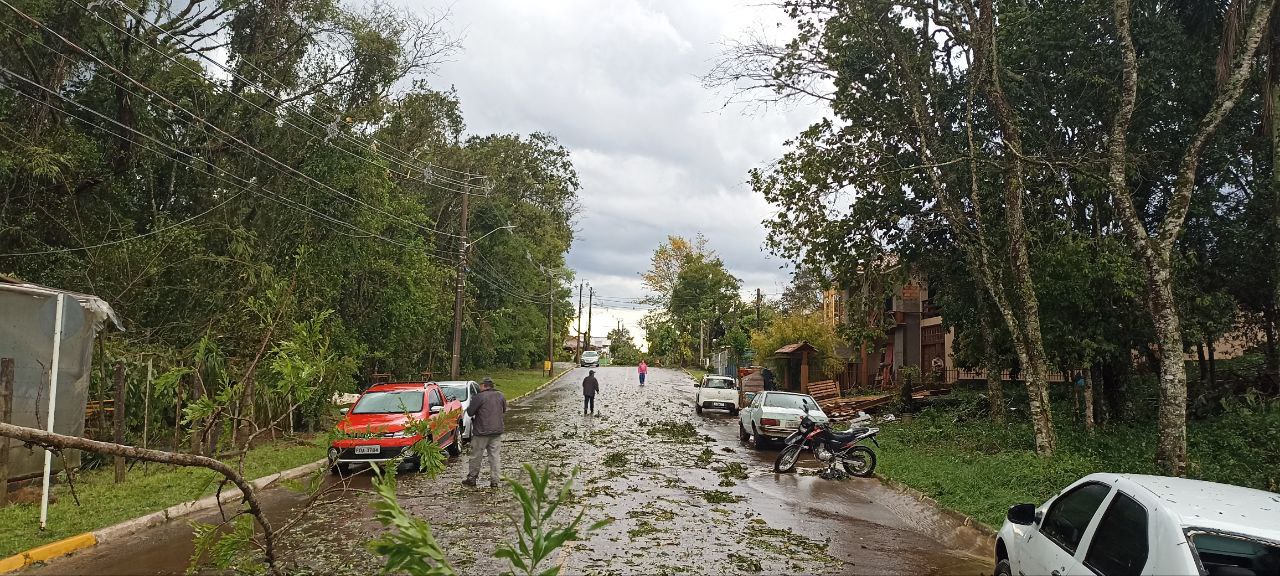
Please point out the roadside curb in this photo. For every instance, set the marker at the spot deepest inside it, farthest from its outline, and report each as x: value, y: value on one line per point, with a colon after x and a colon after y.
x: 544, y: 384
x: 47, y: 552
x: 961, y: 519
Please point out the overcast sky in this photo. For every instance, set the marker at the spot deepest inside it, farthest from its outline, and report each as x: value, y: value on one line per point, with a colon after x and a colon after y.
x: 618, y: 83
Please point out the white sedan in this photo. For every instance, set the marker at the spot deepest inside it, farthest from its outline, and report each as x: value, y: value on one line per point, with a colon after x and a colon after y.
x: 716, y: 392
x: 776, y: 415
x: 1108, y: 524
x: 462, y: 391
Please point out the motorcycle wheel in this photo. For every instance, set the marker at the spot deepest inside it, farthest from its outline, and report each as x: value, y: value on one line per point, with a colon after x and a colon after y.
x: 786, y: 461
x: 863, y: 462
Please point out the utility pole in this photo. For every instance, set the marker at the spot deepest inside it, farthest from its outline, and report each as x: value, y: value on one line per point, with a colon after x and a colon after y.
x: 457, y: 298
x: 591, y: 302
x: 577, y: 351
x: 551, y: 314
x: 701, y: 336
x: 758, y: 297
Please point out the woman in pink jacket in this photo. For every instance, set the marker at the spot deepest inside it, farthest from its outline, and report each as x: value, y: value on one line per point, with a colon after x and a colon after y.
x: 642, y: 369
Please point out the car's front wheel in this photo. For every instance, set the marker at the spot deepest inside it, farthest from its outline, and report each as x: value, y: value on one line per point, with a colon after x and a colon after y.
x: 697, y: 407
x: 742, y: 432
x: 1003, y: 568
x: 757, y: 438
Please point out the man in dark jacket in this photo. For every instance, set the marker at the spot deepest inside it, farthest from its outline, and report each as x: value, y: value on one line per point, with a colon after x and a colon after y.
x: 589, y: 388
x: 486, y: 410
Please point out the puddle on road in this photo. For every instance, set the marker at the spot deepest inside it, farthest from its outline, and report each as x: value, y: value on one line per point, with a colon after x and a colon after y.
x: 685, y: 497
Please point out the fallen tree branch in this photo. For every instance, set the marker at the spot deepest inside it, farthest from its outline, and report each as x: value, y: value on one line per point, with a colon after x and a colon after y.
x: 49, y: 440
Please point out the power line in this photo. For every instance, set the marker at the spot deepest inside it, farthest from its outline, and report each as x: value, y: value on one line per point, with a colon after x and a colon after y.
x: 197, y: 117
x: 279, y: 198
x: 331, y: 128
x: 426, y: 171
x: 131, y: 238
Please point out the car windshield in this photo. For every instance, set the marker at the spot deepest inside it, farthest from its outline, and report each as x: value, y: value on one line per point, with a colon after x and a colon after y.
x: 721, y: 383
x: 391, y: 402
x: 458, y: 392
x: 797, y: 401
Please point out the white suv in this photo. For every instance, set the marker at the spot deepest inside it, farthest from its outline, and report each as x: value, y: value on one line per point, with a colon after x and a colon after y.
x: 591, y: 358
x: 1109, y: 524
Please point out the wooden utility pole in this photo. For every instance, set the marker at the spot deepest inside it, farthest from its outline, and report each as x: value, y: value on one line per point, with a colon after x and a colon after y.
x: 117, y: 418
x: 577, y: 351
x: 551, y: 314
x: 146, y: 410
x: 454, y: 362
x: 6, y: 416
x: 591, y: 302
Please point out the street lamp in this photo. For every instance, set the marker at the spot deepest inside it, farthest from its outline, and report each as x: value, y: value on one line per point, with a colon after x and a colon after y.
x: 507, y: 227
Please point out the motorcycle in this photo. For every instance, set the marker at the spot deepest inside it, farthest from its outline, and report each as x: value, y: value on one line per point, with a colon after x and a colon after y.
x: 843, y: 448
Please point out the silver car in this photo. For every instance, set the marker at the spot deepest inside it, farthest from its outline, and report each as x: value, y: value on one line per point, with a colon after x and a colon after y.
x: 776, y: 415
x: 462, y: 391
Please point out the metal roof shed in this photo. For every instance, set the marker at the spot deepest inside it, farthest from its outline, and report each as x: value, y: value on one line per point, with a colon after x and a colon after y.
x: 30, y: 334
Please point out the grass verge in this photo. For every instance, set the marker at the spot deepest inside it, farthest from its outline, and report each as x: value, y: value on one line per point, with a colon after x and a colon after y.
x: 103, y: 502
x: 513, y: 383
x: 951, y: 452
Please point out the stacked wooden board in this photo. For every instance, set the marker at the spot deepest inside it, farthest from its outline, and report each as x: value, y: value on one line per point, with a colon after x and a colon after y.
x: 838, y: 408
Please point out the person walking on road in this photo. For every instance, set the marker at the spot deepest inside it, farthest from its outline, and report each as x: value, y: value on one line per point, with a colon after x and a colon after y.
x: 589, y: 388
x: 642, y: 369
x: 487, y: 409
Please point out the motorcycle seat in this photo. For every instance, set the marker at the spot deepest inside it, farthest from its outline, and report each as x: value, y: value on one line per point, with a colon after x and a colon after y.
x: 850, y: 435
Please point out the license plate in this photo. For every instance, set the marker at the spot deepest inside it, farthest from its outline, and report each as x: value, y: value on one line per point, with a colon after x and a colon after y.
x: 368, y: 449
x: 790, y: 423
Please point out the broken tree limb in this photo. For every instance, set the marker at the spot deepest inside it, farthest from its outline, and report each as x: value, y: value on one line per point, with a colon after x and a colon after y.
x: 50, y: 440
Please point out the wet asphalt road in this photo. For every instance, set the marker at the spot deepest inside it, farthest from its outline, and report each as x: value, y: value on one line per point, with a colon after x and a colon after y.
x: 685, y: 495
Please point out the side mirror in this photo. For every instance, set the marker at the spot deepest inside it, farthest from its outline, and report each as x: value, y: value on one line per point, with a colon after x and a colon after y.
x: 437, y: 409
x: 1024, y: 514
x: 344, y: 410
x: 697, y: 384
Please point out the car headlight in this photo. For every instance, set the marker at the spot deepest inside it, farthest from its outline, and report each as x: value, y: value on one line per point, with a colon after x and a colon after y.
x: 400, y: 434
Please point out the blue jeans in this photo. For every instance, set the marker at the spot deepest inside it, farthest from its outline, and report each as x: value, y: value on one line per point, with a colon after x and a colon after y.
x: 642, y: 378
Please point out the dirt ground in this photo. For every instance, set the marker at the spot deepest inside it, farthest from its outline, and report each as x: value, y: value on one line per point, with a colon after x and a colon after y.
x: 684, y: 494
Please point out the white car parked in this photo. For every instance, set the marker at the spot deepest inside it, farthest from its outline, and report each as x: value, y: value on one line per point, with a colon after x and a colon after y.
x: 1108, y: 524
x: 591, y: 358
x: 716, y: 392
x: 462, y: 391
x: 776, y: 415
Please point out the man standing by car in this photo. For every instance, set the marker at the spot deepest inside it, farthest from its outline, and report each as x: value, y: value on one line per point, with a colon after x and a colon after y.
x: 589, y: 388
x: 486, y: 410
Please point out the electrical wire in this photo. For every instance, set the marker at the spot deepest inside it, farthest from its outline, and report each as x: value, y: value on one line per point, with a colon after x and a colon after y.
x: 202, y: 120
x: 131, y: 238
x: 284, y: 119
x: 276, y: 197
x: 318, y: 122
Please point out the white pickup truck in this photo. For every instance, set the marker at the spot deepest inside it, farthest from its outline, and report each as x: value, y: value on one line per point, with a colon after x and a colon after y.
x: 1109, y: 524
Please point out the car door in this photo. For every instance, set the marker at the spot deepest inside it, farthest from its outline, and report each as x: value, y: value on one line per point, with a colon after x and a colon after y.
x: 1120, y: 544
x: 1051, y: 548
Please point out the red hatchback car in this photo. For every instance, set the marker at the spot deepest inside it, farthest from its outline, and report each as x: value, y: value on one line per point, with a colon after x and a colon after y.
x: 377, y: 425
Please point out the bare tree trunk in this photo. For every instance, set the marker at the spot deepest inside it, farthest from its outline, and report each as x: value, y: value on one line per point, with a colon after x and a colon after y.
x: 1088, y: 399
x: 1023, y: 322
x: 50, y: 440
x: 991, y: 365
x: 1028, y: 339
x: 1155, y: 251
